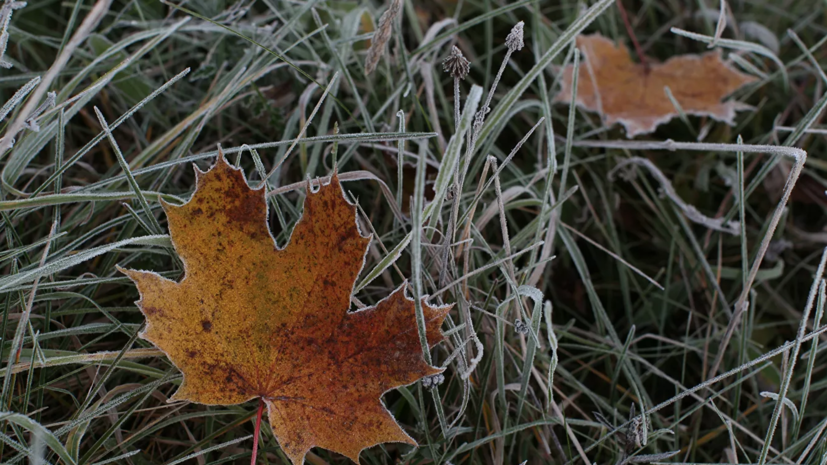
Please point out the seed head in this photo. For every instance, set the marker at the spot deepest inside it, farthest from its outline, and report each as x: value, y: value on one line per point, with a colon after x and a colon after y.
x: 456, y: 64
x: 382, y: 35
x: 514, y: 40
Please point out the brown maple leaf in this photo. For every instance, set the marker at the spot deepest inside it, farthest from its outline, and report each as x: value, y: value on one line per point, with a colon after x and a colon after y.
x: 249, y: 320
x: 627, y: 93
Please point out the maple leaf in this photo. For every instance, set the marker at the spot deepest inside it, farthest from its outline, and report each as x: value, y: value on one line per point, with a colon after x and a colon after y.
x: 249, y: 320
x: 627, y: 93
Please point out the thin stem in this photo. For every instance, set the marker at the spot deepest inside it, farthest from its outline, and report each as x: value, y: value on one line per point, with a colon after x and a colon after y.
x: 496, y: 81
x: 400, y: 115
x: 456, y: 103
x: 257, y: 431
x: 787, y: 380
x: 631, y: 32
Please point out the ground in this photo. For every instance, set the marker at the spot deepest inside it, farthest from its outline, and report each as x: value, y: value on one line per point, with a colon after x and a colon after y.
x: 594, y: 276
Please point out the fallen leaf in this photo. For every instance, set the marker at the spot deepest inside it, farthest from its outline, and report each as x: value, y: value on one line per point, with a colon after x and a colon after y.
x: 249, y: 320
x: 627, y: 93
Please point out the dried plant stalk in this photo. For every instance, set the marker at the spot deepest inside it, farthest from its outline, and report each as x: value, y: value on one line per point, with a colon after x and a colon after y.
x: 382, y: 35
x: 458, y: 67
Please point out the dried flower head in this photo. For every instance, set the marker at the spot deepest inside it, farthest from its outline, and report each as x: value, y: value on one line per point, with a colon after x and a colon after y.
x: 514, y: 40
x: 456, y: 64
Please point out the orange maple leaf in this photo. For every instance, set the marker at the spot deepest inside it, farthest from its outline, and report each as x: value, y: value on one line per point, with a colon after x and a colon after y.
x: 249, y: 320
x: 627, y: 93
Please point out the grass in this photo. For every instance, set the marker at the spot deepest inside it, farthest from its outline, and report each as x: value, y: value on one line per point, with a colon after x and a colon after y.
x: 596, y: 320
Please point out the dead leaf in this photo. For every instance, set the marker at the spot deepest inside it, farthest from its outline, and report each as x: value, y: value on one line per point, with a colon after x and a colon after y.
x: 625, y: 92
x: 249, y: 320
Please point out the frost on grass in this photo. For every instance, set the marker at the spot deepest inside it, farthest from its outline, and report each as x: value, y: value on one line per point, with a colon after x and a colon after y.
x: 757, y: 31
x: 5, y: 18
x: 634, y: 436
x: 628, y: 93
x: 18, y: 97
x: 31, y: 121
x: 628, y: 173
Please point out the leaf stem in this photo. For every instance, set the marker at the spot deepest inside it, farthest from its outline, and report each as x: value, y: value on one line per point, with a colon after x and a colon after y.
x: 257, y: 431
x: 631, y: 32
